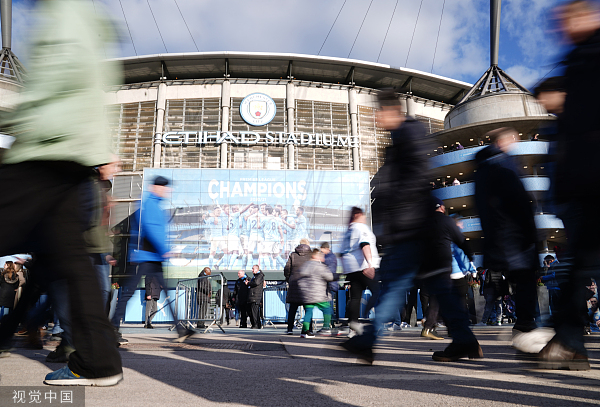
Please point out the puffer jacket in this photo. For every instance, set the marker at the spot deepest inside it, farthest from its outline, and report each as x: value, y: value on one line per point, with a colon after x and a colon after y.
x: 311, y: 280
x: 300, y: 256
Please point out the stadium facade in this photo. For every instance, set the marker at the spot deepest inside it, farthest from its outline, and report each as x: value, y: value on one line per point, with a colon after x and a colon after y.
x: 250, y: 114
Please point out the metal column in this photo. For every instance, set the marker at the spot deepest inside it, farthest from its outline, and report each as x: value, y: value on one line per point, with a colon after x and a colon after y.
x: 6, y: 10
x: 353, y: 108
x: 225, y: 106
x: 410, y: 106
x: 495, y: 6
x: 161, y: 105
x: 291, y: 105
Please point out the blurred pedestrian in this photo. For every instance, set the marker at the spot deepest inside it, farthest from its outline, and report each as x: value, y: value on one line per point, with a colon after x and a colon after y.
x: 577, y: 146
x: 152, y: 295
x: 203, y: 296
x: 9, y: 283
x: 61, y: 135
x: 399, y: 213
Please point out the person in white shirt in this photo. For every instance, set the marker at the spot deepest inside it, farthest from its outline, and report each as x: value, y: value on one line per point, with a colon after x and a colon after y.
x: 360, y: 259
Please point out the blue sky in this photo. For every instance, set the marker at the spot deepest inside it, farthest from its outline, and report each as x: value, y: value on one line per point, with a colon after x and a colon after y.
x: 528, y: 48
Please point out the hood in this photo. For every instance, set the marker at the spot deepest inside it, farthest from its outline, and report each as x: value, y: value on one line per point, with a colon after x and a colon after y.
x: 303, y: 249
x: 488, y: 152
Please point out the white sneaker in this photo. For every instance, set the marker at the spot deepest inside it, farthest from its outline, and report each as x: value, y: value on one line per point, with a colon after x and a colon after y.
x: 404, y: 325
x: 356, y: 326
x: 533, y: 341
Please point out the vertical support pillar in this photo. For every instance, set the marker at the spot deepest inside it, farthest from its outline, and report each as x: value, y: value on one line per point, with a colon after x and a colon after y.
x: 410, y: 106
x: 225, y: 106
x: 291, y: 106
x: 161, y: 105
x: 353, y: 108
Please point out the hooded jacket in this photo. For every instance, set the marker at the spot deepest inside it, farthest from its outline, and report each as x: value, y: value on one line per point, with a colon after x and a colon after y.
x: 297, y: 258
x: 152, y: 242
x: 506, y: 213
x: 311, y: 280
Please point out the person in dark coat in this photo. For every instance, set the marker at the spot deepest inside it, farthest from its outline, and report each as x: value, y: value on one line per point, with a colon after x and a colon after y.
x: 152, y: 295
x: 493, y: 289
x: 331, y: 263
x: 9, y: 282
x: 435, y: 271
x: 575, y: 197
x: 506, y: 214
x: 224, y: 305
x: 203, y: 296
x: 255, y: 294
x: 401, y: 194
x: 297, y: 258
x: 240, y: 298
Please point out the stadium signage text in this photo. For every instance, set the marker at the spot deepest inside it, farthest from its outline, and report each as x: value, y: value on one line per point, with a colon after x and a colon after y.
x: 252, y: 137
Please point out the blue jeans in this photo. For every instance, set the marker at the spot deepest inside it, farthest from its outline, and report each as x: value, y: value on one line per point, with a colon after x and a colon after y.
x: 102, y: 269
x: 397, y: 270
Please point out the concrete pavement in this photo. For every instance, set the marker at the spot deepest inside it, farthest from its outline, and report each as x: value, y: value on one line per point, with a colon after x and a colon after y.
x: 265, y: 367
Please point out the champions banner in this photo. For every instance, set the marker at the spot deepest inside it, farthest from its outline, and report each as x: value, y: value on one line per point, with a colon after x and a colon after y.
x: 233, y: 219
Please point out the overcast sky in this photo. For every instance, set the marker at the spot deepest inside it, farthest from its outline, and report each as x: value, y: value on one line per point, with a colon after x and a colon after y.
x: 528, y: 48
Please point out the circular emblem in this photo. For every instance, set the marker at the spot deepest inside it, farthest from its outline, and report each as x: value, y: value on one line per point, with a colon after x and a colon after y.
x: 257, y: 109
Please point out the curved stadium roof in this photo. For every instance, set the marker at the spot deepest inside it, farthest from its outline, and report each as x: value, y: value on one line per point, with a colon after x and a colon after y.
x: 266, y: 65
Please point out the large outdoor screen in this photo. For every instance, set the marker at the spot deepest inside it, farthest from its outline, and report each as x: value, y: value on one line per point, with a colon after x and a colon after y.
x: 233, y: 219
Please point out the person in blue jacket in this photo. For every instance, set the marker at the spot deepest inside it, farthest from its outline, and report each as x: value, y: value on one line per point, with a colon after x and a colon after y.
x: 148, y: 248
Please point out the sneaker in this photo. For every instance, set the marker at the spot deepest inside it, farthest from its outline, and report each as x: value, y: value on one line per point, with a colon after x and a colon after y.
x: 557, y: 356
x: 307, y: 335
x: 185, y: 335
x: 431, y: 334
x: 65, y: 377
x: 404, y: 325
x: 455, y: 352
x: 60, y: 354
x: 4, y: 354
x: 356, y: 326
x: 120, y: 339
x: 324, y: 332
x: 532, y: 341
x: 289, y: 332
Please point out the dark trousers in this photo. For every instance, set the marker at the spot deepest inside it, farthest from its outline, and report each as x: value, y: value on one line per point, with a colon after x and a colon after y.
x: 358, y: 283
x: 451, y: 307
x: 255, y: 314
x: 433, y: 313
x: 243, y: 310
x: 42, y: 212
x: 462, y: 287
x: 149, y: 269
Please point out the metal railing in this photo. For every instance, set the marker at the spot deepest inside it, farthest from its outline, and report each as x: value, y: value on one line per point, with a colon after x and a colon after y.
x: 196, y: 301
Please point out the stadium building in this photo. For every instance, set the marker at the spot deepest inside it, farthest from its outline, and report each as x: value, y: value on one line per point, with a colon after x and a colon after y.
x: 279, y: 120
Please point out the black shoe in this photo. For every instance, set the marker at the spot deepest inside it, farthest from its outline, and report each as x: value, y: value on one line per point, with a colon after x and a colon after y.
x: 257, y: 327
x: 120, y: 339
x: 60, y: 354
x: 365, y: 355
x: 200, y: 325
x: 457, y: 351
x: 243, y: 326
x: 148, y: 326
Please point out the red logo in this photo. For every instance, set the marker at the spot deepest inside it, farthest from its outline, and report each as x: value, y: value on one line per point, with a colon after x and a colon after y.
x: 257, y: 114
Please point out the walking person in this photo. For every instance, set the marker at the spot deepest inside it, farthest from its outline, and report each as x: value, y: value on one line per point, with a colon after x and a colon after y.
x: 506, y: 213
x: 148, y: 250
x: 400, y: 210
x: 360, y: 259
x: 298, y: 257
x: 240, y: 297
x: 61, y: 135
x: 204, y: 292
x: 9, y: 283
x: 152, y: 295
x: 255, y: 294
x: 330, y: 261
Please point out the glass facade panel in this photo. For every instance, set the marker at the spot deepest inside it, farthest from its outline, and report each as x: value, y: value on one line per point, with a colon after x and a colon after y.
x: 431, y: 125
x: 132, y: 128
x: 192, y: 115
x: 262, y: 156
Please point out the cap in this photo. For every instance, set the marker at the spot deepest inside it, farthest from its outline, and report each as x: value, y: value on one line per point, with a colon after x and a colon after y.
x: 160, y: 180
x: 437, y: 202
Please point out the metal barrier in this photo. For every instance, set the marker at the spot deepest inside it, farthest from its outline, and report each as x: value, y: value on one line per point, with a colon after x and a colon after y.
x: 195, y: 301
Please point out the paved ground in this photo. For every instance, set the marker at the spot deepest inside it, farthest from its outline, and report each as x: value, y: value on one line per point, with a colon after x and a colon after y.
x: 267, y: 368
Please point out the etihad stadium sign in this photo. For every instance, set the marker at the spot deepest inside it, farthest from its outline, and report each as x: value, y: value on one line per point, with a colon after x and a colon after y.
x: 177, y: 138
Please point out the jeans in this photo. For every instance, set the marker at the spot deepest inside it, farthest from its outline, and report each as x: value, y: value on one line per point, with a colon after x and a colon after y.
x: 42, y: 214
x: 397, y: 270
x: 493, y: 305
x: 148, y: 269
x: 102, y: 269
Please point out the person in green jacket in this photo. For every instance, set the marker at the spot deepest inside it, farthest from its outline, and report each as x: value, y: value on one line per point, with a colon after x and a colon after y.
x: 61, y: 135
